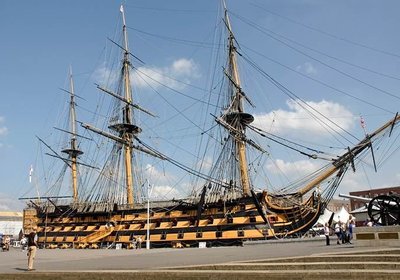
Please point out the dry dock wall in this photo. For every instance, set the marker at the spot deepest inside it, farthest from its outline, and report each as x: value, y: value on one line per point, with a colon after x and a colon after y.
x: 377, y: 236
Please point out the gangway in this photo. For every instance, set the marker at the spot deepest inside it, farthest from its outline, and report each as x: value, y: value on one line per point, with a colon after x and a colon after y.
x: 94, y: 237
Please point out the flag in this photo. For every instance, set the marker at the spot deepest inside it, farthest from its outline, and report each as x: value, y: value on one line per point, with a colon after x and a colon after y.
x: 362, y: 122
x: 121, y: 9
x: 30, y: 174
x: 363, y: 125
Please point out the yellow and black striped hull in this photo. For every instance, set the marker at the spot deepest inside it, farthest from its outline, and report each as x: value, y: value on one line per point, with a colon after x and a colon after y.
x: 228, y: 223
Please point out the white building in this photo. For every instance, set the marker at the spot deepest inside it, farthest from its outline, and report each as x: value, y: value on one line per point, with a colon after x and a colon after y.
x: 10, y: 223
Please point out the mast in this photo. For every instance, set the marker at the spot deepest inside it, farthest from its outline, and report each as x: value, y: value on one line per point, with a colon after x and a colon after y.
x: 73, y: 151
x: 235, y: 115
x: 124, y: 124
x: 127, y: 129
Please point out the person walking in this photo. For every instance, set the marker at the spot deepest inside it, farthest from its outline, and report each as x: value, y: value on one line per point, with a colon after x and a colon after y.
x: 327, y: 231
x: 32, y: 247
x: 352, y: 225
x: 6, y: 242
x: 24, y: 243
x: 338, y: 232
x: 343, y: 231
x: 139, y: 242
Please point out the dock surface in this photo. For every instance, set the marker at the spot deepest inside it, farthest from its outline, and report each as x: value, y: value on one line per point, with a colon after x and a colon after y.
x: 275, y: 259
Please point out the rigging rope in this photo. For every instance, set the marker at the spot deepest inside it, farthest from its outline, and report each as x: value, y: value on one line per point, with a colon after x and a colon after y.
x: 329, y: 34
x: 319, y: 61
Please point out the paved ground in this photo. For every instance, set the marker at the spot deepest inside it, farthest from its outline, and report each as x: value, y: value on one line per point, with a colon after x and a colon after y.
x: 72, y: 260
x: 123, y: 264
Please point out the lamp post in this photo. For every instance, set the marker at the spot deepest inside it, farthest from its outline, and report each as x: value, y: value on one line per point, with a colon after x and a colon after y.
x: 148, y: 215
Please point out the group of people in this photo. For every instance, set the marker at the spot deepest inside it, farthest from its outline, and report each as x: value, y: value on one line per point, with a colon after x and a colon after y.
x: 137, y: 242
x: 343, y: 231
x: 29, y: 242
x: 5, y: 243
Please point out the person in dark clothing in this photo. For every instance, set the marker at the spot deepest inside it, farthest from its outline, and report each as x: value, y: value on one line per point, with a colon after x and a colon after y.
x: 32, y: 247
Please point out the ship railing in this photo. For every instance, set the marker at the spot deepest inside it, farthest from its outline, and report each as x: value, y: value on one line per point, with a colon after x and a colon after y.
x: 106, y: 206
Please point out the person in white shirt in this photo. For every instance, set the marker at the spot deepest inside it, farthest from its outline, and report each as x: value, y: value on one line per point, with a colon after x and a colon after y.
x: 338, y: 231
x: 327, y: 232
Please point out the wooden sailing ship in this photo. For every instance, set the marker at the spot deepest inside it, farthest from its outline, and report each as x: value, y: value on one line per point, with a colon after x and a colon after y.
x: 227, y: 209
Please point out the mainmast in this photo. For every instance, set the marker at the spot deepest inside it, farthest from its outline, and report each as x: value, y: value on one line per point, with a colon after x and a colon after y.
x: 235, y: 117
x: 123, y: 124
x: 73, y: 151
x: 127, y: 129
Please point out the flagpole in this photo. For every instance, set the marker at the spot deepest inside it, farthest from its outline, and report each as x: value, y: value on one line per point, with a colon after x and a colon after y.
x: 30, y: 182
x: 30, y: 174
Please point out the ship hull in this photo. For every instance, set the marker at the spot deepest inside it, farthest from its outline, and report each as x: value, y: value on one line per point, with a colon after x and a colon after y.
x: 172, y: 224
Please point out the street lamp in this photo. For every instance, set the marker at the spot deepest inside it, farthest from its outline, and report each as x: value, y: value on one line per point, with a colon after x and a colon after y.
x: 149, y: 191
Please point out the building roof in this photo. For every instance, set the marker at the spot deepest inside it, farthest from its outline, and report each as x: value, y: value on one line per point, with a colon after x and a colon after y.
x: 375, y: 191
x: 10, y: 214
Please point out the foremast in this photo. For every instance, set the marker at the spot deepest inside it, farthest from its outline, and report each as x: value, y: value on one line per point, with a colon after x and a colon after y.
x: 235, y: 119
x: 73, y: 150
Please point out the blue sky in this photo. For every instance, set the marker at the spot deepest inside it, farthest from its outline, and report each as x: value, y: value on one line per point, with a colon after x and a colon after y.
x: 40, y: 40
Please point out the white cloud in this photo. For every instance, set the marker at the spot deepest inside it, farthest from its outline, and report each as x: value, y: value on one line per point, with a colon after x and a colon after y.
x: 165, y: 192
x: 298, y: 169
x: 205, y: 164
x: 180, y: 70
x: 3, y: 128
x: 104, y: 76
x: 184, y: 67
x: 160, y: 181
x: 308, y: 68
x: 352, y: 181
x: 3, y: 131
x: 162, y: 184
x: 301, y: 167
x: 9, y: 204
x: 156, y: 176
x: 298, y: 120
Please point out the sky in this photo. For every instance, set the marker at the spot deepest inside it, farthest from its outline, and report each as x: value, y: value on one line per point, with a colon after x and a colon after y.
x: 349, y: 47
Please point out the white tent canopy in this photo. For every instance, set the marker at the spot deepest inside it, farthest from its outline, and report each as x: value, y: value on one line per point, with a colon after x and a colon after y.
x: 341, y: 215
x: 324, y: 218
